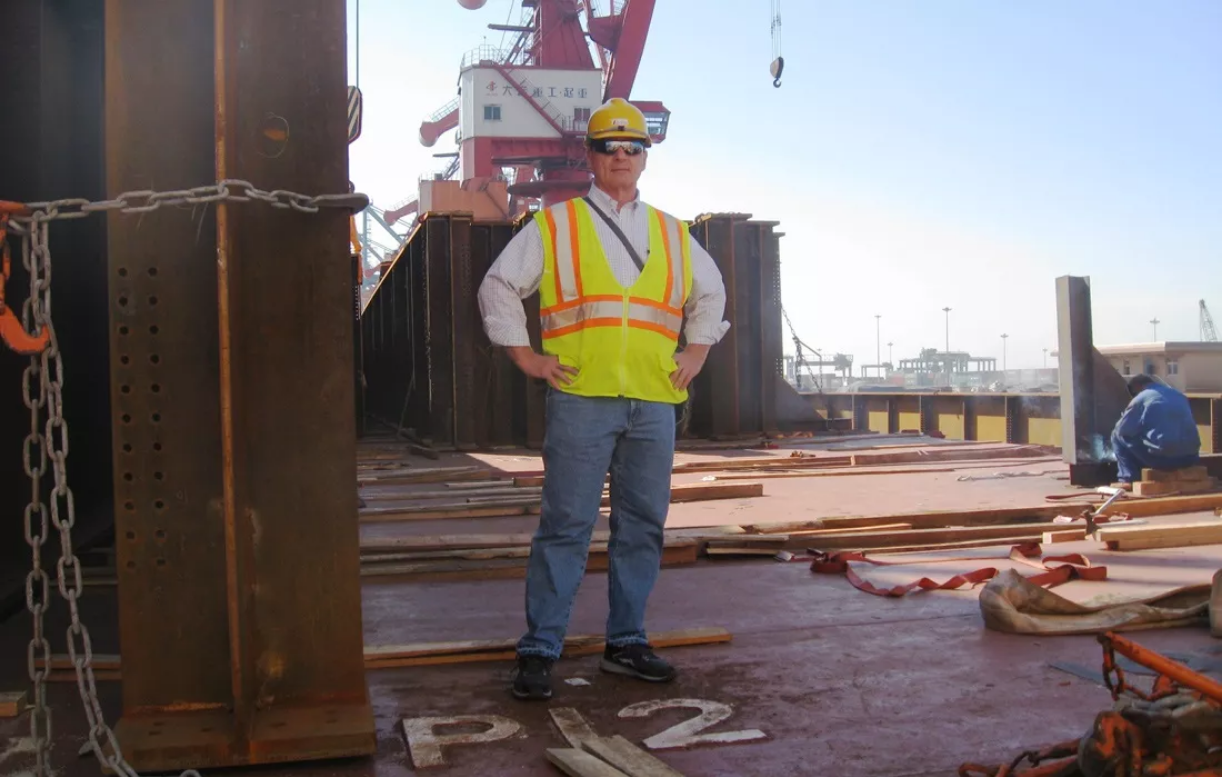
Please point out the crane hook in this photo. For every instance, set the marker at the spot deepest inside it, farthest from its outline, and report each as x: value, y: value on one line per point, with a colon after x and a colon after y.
x: 778, y: 65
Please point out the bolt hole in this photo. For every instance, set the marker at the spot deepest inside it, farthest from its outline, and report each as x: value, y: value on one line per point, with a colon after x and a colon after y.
x: 131, y: 565
x: 156, y: 418
x: 153, y: 329
x: 155, y: 359
x: 122, y: 272
x: 153, y: 300
x: 159, y: 534
x: 156, y: 387
x: 156, y: 446
x: 130, y: 505
x: 153, y: 274
x: 122, y: 302
x: 125, y: 360
x: 127, y: 419
x: 159, y: 475
x: 123, y: 330
x: 128, y: 477
x: 160, y: 505
x: 131, y: 535
x: 161, y: 562
x: 127, y: 447
x: 125, y: 389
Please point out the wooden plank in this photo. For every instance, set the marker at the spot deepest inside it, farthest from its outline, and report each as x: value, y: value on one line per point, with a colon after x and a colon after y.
x: 432, y: 512
x: 1165, y: 506
x: 579, y: 763
x: 1064, y: 535
x: 432, y: 653
x: 994, y: 542
x: 931, y: 519
x: 674, y: 553
x: 927, y: 536
x: 1163, y: 475
x: 687, y: 492
x: 481, y: 541
x: 629, y: 758
x: 1173, y: 487
x: 12, y: 703
x: 833, y: 473
x: 908, y: 457
x: 424, y: 475
x: 1161, y: 535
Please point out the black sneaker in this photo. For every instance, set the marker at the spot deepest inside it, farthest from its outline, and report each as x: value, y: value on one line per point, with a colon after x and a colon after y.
x: 533, y: 678
x: 637, y: 661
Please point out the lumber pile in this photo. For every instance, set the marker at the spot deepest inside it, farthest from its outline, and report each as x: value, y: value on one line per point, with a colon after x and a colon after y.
x: 1161, y: 482
x: 499, y: 499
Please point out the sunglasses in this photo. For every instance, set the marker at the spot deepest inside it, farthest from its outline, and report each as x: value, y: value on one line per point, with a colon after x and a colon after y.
x: 609, y: 147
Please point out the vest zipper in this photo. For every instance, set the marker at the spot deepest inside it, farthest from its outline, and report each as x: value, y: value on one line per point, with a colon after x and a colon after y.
x: 623, y: 351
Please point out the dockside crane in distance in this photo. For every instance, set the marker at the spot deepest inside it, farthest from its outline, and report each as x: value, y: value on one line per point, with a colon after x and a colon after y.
x: 1208, y: 333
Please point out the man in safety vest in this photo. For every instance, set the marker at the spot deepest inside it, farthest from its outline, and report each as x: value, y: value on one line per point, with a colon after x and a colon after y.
x: 616, y: 278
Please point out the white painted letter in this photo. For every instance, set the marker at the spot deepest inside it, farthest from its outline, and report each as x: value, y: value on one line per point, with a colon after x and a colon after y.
x: 425, y: 745
x: 688, y: 733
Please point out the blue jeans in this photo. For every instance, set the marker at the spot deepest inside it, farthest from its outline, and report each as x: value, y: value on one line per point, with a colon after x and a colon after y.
x: 1132, y: 457
x: 585, y: 438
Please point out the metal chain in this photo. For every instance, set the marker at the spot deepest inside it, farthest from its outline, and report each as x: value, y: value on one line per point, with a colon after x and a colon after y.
x: 42, y: 387
x: 229, y: 189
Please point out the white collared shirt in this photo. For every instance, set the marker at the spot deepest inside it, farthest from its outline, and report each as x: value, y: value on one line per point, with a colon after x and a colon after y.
x: 517, y: 272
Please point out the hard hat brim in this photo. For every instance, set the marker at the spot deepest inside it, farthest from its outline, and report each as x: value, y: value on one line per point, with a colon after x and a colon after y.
x: 618, y: 134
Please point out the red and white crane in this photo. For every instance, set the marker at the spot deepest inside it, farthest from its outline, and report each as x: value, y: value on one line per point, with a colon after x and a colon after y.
x: 522, y: 111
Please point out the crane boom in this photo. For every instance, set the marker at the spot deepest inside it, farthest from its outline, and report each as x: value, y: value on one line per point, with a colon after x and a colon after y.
x: 1208, y: 333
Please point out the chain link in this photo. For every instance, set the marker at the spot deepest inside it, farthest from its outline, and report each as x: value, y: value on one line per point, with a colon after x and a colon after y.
x: 47, y: 444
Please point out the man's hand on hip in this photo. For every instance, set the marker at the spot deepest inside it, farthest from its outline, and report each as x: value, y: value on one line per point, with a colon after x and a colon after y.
x: 542, y: 367
x: 690, y: 362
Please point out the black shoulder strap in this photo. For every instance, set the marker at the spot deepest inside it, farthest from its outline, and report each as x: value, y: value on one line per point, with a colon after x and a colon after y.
x: 636, y: 258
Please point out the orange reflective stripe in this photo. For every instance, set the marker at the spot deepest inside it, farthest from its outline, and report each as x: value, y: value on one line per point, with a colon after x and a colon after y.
x: 574, y: 243
x: 675, y: 241
x: 670, y: 260
x: 551, y: 236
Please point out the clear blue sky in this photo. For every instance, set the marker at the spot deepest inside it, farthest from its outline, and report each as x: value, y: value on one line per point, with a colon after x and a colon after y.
x: 920, y: 153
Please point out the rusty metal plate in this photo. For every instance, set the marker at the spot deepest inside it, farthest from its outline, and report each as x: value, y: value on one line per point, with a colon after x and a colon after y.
x: 235, y: 431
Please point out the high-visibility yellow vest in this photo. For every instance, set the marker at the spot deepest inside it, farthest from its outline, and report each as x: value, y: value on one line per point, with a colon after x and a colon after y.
x: 621, y: 340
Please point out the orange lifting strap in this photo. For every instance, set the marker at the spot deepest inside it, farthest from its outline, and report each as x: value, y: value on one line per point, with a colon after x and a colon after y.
x: 11, y: 332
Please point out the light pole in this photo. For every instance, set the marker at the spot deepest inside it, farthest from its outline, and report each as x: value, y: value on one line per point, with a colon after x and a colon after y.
x: 1004, y: 337
x: 1045, y: 358
x: 889, y: 360
x: 1155, y: 322
x: 947, y: 312
x: 878, y: 348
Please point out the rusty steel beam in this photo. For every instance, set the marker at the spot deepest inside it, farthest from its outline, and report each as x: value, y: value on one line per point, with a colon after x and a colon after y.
x: 232, y: 348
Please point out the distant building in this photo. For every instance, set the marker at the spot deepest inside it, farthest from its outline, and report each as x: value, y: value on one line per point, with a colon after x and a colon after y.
x: 1187, y: 366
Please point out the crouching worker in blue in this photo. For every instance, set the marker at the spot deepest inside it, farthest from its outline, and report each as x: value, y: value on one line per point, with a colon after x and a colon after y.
x: 1156, y: 430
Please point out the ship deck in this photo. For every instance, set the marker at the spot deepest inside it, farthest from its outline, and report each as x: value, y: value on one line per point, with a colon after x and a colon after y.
x: 835, y: 680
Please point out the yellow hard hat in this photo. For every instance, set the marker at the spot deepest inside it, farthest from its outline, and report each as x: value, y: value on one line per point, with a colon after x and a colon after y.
x: 620, y: 119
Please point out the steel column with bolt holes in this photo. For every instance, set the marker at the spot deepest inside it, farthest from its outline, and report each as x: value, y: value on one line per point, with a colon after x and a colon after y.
x: 233, y: 399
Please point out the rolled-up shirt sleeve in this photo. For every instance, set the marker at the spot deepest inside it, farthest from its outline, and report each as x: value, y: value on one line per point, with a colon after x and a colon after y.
x: 706, y: 306
x: 514, y: 276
